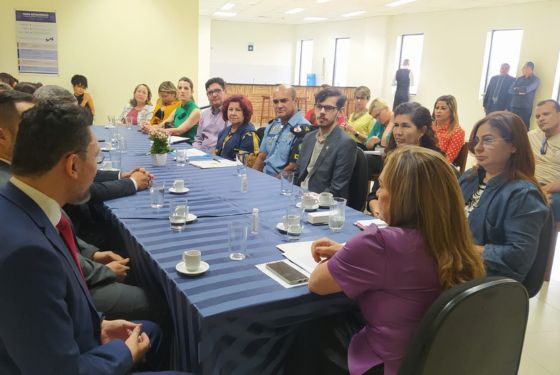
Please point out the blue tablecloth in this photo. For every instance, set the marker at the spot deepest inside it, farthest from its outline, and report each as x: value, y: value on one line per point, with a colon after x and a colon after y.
x: 233, y: 319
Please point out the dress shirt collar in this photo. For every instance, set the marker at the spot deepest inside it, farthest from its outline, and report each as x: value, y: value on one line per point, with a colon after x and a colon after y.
x: 49, y: 206
x: 322, y: 139
x: 215, y: 111
x: 6, y: 161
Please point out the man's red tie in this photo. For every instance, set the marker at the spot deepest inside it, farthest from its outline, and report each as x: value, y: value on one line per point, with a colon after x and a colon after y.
x: 65, y: 230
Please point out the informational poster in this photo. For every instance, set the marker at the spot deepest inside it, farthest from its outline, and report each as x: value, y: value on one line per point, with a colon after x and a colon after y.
x: 36, y: 42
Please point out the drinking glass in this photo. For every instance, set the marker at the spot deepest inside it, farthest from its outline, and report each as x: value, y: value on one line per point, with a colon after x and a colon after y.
x: 178, y: 213
x: 292, y: 222
x: 128, y: 122
x: 286, y: 182
x: 238, y: 231
x: 116, y: 158
x: 181, y: 158
x: 157, y: 192
x: 337, y: 214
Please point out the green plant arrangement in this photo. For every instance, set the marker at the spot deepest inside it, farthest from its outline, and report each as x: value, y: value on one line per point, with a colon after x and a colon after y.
x: 160, y: 144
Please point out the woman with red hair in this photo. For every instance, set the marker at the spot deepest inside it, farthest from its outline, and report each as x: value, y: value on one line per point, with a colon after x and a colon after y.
x: 240, y: 135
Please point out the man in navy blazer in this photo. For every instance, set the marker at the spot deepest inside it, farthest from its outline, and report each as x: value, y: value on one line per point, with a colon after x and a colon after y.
x: 48, y: 324
x: 327, y: 156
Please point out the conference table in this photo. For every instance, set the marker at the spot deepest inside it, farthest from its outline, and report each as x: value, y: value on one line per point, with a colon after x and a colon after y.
x: 233, y: 319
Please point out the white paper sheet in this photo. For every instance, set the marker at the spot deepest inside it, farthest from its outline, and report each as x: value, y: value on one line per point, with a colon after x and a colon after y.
x: 300, y: 254
x: 205, y: 164
x: 174, y: 139
x: 195, y: 152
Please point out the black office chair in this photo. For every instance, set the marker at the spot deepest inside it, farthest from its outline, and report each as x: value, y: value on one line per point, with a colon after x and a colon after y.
x: 359, y: 182
x: 260, y: 132
x: 474, y: 328
x: 461, y: 160
x: 535, y: 277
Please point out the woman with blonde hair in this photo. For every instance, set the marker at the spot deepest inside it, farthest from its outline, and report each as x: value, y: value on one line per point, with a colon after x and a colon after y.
x: 359, y: 124
x: 505, y: 205
x: 450, y: 135
x: 382, y: 129
x: 166, y: 103
x: 396, y: 272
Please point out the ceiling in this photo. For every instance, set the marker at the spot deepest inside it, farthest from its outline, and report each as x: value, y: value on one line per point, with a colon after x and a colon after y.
x: 272, y: 11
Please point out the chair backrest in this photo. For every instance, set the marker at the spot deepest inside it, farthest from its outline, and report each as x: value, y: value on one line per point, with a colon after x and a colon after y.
x: 461, y: 159
x: 358, y: 191
x: 260, y: 133
x: 474, y: 328
x: 535, y: 277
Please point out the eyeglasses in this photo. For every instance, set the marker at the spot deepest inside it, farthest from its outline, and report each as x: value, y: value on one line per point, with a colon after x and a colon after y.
x: 283, y: 101
x: 99, y: 158
x: 487, y: 142
x: 327, y: 108
x: 360, y: 98
x: 544, y: 146
x: 213, y: 92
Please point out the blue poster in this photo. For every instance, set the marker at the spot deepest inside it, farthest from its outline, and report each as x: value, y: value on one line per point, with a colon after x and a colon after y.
x: 37, y: 47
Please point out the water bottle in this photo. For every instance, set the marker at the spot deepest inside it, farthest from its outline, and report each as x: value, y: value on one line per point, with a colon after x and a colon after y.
x: 255, y: 221
x: 244, y: 183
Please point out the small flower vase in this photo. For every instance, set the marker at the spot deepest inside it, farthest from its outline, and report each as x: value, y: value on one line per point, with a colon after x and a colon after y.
x: 159, y: 160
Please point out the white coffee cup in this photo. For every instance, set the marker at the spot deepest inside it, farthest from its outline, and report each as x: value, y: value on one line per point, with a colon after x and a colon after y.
x: 325, y: 198
x: 179, y: 185
x: 308, y: 200
x: 191, y: 258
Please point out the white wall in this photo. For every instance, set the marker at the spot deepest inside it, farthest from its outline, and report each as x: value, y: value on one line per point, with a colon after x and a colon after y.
x: 271, y: 61
x: 451, y: 62
x: 454, y: 45
x: 115, y: 44
x: 367, y: 49
x: 204, y: 57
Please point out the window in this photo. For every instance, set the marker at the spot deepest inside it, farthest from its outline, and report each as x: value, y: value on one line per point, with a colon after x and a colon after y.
x: 502, y: 46
x: 304, y: 59
x: 340, y: 67
x: 556, y: 87
x: 409, y: 47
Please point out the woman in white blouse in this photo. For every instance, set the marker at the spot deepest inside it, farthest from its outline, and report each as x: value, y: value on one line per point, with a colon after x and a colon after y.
x: 140, y: 108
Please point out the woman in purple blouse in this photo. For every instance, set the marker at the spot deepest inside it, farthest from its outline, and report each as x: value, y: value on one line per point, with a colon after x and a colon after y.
x: 395, y: 273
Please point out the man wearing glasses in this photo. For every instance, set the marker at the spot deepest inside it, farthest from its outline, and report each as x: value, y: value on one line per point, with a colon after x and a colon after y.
x: 545, y: 143
x: 283, y: 134
x: 327, y: 155
x: 211, y: 120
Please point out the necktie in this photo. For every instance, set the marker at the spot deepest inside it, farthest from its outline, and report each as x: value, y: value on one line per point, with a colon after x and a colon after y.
x: 65, y: 231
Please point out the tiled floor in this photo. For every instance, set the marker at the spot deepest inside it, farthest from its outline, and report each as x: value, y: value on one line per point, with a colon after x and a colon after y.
x: 541, y: 351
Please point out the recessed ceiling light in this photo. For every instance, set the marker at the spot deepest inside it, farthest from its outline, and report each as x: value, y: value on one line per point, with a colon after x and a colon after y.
x: 399, y: 3
x: 227, y: 6
x: 294, y: 11
x: 315, y: 19
x: 352, y: 14
x: 225, y: 14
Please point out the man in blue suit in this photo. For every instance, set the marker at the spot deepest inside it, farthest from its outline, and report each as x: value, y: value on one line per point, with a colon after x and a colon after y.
x: 48, y: 324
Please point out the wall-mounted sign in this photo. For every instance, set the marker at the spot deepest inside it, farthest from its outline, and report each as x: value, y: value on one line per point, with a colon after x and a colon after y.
x: 36, y: 42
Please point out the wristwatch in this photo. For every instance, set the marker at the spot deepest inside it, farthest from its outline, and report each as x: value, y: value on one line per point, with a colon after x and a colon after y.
x: 356, y: 133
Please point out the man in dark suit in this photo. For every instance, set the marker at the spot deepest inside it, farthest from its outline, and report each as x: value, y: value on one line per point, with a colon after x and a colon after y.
x: 48, y: 323
x: 497, y: 96
x: 101, y: 269
x: 327, y: 155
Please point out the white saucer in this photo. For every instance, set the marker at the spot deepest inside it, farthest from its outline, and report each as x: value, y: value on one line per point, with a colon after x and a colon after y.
x: 184, y: 191
x: 180, y: 267
x: 281, y: 229
x: 105, y: 149
x: 191, y: 218
x: 312, y: 208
